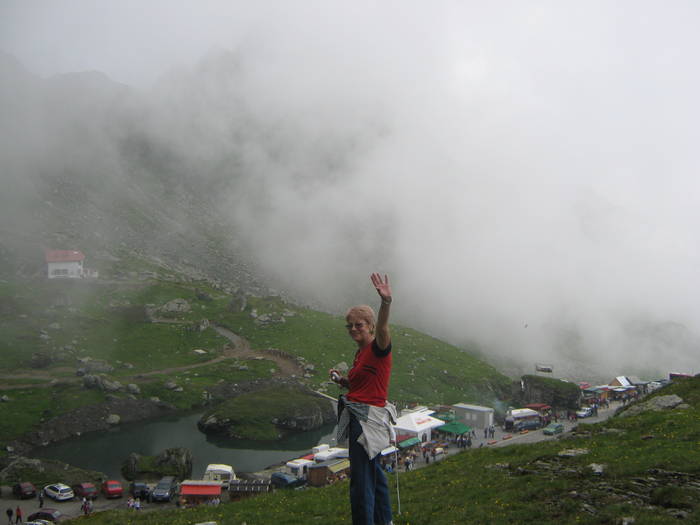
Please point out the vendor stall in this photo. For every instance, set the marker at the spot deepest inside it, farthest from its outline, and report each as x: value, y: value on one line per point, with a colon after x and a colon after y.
x: 195, y: 492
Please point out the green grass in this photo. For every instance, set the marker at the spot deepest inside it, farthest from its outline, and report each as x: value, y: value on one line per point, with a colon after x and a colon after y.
x: 424, y: 368
x: 106, y: 320
x: 29, y: 406
x: 514, y: 484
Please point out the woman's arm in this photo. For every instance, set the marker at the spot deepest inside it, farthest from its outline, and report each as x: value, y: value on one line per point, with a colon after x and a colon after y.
x: 382, y: 329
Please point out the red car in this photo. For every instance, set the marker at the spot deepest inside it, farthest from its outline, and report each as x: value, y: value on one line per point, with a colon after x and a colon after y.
x: 85, y: 490
x: 24, y: 490
x: 112, y: 489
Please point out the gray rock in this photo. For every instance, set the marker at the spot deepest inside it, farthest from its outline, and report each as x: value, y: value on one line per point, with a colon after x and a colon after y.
x: 572, y: 452
x: 4, y: 399
x: 176, y: 306
x: 342, y: 367
x: 170, y: 385
x: 657, y: 403
x: 111, y: 386
x: 133, y: 388
x: 113, y: 419
x: 597, y: 468
x: 55, y: 326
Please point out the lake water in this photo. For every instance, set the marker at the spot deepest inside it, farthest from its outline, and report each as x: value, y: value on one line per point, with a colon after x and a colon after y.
x: 106, y: 451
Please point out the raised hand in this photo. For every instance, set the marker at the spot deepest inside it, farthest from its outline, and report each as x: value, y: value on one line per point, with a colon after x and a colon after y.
x: 382, y: 286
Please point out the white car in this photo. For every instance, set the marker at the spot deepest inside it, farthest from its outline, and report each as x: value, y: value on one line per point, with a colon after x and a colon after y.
x: 59, y: 492
x: 584, y: 412
x: 37, y: 522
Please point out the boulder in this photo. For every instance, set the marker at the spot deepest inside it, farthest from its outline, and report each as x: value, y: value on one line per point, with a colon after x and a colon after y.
x: 95, y: 366
x: 171, y: 462
x: 176, y: 306
x: 113, y: 419
x: 101, y: 383
x: 133, y: 388
x: 202, y: 296
x: 41, y: 360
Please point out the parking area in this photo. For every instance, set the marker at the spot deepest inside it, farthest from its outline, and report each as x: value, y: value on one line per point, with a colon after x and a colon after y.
x: 70, y: 509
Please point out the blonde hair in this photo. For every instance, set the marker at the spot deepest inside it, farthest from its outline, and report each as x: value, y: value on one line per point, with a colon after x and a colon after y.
x: 363, y: 312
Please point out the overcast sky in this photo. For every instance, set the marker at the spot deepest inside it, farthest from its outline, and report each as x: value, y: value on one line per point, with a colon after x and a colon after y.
x: 525, y: 171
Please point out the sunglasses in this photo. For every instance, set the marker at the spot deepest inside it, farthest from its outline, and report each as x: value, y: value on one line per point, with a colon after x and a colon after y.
x: 357, y: 326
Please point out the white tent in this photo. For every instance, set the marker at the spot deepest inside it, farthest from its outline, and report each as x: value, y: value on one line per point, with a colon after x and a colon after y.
x: 298, y: 467
x: 331, y: 453
x: 417, y: 424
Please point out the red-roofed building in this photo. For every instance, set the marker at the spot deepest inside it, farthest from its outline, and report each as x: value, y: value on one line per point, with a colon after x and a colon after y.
x: 67, y: 264
x: 193, y: 492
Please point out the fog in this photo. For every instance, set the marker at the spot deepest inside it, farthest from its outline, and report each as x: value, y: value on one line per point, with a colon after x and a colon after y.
x: 524, y: 172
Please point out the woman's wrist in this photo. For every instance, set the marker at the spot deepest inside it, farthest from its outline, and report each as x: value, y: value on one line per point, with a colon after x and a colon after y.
x: 386, y: 300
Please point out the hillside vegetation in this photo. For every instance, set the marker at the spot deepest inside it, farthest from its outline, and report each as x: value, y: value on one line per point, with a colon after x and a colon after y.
x: 52, y: 328
x: 650, y: 464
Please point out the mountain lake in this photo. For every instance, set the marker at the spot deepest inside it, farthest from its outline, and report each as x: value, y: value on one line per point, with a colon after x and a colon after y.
x: 106, y: 451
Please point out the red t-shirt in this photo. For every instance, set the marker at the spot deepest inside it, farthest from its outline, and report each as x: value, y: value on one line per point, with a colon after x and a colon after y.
x: 369, y: 375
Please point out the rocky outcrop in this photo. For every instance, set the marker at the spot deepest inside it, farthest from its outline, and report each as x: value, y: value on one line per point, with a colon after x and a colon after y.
x: 171, y: 462
x: 655, y: 404
x: 283, y: 407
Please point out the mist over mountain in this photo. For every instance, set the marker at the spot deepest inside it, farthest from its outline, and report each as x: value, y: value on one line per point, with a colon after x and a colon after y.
x: 535, y: 199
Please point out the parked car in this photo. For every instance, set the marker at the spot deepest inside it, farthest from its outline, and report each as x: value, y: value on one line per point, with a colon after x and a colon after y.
x: 584, y: 412
x: 59, y: 492
x: 282, y: 480
x: 85, y: 490
x: 140, y: 489
x: 37, y: 522
x: 527, y: 424
x: 50, y: 515
x: 24, y: 490
x: 553, y: 428
x: 165, y: 489
x: 112, y: 489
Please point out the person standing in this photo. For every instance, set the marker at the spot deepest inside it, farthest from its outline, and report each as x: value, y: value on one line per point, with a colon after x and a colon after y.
x: 9, y: 515
x: 18, y: 515
x: 364, y: 415
x: 41, y: 498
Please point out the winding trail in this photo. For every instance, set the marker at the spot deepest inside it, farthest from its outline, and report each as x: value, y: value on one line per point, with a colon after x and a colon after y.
x: 239, y: 348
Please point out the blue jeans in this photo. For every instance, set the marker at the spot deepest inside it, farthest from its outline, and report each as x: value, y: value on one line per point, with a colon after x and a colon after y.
x: 369, y: 490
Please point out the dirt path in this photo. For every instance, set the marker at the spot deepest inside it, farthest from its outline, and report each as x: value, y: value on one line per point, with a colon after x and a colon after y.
x: 239, y: 348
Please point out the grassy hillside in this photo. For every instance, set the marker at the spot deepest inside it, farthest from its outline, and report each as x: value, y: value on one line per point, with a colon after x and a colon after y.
x: 47, y: 327
x: 651, y: 473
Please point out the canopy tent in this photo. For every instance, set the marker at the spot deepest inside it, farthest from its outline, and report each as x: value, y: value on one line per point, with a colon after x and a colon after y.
x: 415, y: 423
x: 409, y: 442
x: 454, y: 427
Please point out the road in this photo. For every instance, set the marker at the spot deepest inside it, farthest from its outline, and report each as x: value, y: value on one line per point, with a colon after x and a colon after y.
x: 71, y: 509
x: 532, y: 436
